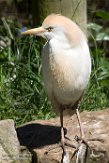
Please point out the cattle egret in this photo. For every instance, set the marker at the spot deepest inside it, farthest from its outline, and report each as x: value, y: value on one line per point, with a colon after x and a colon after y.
x: 66, y: 65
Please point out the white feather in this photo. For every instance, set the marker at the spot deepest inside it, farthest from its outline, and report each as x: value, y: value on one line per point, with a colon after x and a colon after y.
x: 66, y: 69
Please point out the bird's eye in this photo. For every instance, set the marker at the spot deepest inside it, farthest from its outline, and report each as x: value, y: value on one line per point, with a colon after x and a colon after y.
x: 49, y: 29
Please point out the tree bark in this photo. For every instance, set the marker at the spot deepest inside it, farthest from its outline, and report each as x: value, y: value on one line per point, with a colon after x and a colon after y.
x: 74, y: 9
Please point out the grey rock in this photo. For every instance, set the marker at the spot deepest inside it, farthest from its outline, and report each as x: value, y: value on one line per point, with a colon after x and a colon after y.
x: 42, y: 137
x: 9, y: 145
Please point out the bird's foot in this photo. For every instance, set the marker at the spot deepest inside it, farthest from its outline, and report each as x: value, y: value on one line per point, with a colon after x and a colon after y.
x: 65, y: 157
x: 81, y: 140
x: 67, y: 142
x: 82, y: 151
x: 65, y: 154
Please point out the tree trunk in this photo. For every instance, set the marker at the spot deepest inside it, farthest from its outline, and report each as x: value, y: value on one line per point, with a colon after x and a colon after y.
x: 74, y: 9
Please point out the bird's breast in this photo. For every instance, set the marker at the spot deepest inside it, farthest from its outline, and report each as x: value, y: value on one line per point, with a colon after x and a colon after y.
x: 61, y: 71
x: 65, y: 71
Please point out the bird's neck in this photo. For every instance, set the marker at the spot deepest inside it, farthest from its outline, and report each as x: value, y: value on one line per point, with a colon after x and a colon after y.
x: 59, y: 45
x: 62, y: 46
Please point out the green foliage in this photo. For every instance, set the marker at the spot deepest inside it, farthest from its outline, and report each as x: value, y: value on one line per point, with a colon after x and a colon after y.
x: 21, y: 90
x: 97, y: 93
x: 102, y: 14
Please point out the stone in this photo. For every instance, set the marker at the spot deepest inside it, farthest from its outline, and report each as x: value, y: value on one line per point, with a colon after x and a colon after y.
x: 10, y: 149
x: 42, y: 137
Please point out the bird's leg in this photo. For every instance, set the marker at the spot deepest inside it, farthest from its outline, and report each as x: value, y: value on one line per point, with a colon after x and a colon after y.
x: 83, y: 150
x: 82, y: 137
x: 62, y: 129
x: 80, y: 124
x: 65, y: 156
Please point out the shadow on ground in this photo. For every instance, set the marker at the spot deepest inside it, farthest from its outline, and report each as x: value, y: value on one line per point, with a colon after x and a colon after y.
x: 38, y: 135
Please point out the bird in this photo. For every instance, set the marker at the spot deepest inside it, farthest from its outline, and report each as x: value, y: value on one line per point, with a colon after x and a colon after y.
x: 66, y: 65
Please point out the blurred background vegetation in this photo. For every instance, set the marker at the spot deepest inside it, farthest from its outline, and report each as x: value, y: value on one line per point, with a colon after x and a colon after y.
x: 22, y: 97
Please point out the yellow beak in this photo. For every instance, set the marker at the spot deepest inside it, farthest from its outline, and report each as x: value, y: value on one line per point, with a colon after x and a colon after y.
x: 34, y: 31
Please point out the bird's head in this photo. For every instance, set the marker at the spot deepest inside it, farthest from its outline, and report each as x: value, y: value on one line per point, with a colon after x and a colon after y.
x: 57, y: 27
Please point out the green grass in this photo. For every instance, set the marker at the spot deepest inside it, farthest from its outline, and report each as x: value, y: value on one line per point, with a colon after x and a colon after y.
x: 22, y: 96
